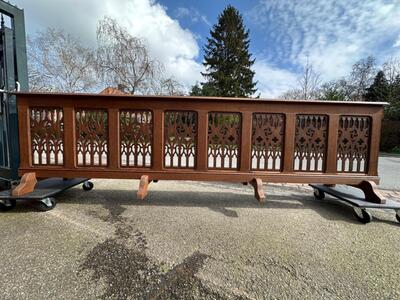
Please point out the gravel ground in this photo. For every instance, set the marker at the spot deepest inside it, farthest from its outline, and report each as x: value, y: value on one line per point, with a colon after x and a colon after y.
x: 197, y: 241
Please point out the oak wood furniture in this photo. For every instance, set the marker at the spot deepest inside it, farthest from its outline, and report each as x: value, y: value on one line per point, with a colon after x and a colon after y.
x: 196, y: 138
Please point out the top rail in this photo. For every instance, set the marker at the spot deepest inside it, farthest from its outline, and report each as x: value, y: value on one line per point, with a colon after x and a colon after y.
x: 198, y: 138
x: 203, y: 98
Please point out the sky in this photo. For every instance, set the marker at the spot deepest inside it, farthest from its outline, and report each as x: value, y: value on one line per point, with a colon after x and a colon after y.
x: 332, y: 34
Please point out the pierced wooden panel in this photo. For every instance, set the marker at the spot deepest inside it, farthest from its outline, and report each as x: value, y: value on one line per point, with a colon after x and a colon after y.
x: 353, y: 144
x: 268, y: 131
x: 136, y: 136
x: 223, y: 140
x: 310, y: 143
x: 180, y: 132
x: 47, y: 136
x: 91, y: 137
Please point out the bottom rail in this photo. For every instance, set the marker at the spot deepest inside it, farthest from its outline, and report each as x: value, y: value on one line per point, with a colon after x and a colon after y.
x: 229, y: 176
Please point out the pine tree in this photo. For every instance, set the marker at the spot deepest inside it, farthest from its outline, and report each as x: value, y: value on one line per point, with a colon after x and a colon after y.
x: 379, y: 89
x: 227, y: 59
x: 204, y: 90
x: 196, y: 90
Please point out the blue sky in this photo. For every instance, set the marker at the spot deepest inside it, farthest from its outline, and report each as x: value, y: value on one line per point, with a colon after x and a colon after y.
x: 200, y: 16
x: 333, y: 34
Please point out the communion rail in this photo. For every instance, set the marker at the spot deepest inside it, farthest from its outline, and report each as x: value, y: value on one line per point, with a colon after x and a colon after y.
x: 196, y: 138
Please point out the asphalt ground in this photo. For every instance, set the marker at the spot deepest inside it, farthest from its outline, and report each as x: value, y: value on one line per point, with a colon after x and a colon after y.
x: 389, y: 171
x: 197, y: 240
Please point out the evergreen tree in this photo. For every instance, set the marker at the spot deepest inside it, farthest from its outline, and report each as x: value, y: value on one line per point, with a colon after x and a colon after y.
x: 332, y: 91
x: 227, y: 59
x: 196, y: 90
x: 204, y: 90
x: 378, y: 91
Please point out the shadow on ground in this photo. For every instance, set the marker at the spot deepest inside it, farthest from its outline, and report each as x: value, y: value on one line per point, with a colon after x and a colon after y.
x: 121, y: 261
x: 224, y: 201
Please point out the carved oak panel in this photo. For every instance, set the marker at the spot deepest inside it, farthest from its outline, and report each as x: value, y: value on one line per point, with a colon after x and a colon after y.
x: 136, y: 138
x: 310, y: 143
x: 268, y: 131
x: 180, y: 139
x: 353, y: 144
x: 91, y: 137
x: 224, y: 140
x: 47, y: 135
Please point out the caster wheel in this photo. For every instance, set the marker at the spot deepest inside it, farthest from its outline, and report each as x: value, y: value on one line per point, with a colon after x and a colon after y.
x: 319, y: 195
x: 87, y: 186
x: 6, y: 205
x: 362, y: 215
x: 46, y: 204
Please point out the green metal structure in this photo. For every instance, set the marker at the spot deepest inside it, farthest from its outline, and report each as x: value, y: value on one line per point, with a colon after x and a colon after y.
x: 13, y: 76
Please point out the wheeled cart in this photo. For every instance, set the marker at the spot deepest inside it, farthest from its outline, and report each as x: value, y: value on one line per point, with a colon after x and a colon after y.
x: 44, y: 192
x: 355, y: 198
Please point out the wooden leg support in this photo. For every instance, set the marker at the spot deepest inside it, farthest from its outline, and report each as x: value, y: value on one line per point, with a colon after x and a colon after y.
x: 371, y: 192
x: 26, y: 185
x: 143, y: 187
x: 258, y: 189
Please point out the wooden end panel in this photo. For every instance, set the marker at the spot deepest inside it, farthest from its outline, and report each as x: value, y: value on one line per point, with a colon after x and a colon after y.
x: 25, y: 149
x: 375, y: 143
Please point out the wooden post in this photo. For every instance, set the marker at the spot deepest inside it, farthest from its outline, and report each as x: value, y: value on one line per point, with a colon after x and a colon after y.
x: 331, y: 152
x: 69, y: 138
x: 202, y: 141
x: 290, y: 131
x: 375, y: 143
x: 245, y: 146
x: 113, y: 138
x: 158, y: 140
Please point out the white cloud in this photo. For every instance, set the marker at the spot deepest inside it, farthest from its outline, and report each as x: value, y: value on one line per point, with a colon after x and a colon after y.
x: 182, y: 12
x: 193, y: 14
x: 173, y: 45
x: 333, y: 33
x: 397, y: 43
x: 273, y: 81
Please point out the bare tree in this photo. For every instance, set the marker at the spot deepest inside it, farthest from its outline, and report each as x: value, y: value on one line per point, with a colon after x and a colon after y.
x: 353, y: 87
x: 391, y: 68
x: 58, y: 62
x: 308, y: 85
x: 309, y: 82
x: 168, y: 86
x: 362, y: 76
x: 293, y: 94
x: 124, y: 60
